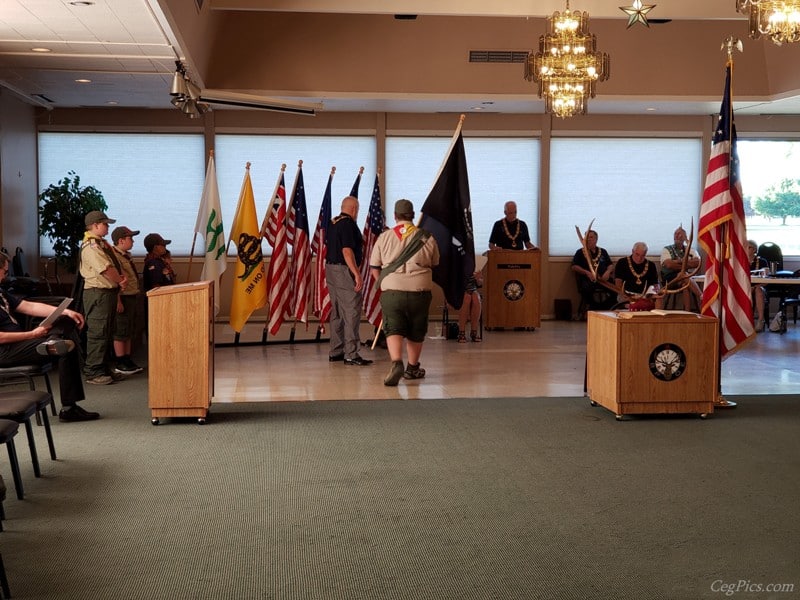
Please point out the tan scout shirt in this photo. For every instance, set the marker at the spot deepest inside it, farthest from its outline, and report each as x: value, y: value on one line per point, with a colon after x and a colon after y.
x: 129, y: 271
x: 94, y: 261
x: 415, y: 275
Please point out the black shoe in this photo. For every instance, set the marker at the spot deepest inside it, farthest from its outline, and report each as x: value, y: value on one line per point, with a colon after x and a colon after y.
x: 75, y: 413
x: 336, y: 358
x: 55, y: 347
x: 125, y: 367
x: 358, y: 361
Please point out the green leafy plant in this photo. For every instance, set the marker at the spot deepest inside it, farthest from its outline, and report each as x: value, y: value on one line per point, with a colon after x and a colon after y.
x: 62, y: 209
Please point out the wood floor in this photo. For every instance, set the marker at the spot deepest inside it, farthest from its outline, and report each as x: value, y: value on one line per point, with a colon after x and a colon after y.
x: 546, y: 362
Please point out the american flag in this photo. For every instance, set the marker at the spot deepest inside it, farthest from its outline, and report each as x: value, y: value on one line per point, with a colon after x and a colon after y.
x: 274, y: 230
x: 297, y: 230
x: 376, y: 223
x: 322, y: 297
x: 722, y: 233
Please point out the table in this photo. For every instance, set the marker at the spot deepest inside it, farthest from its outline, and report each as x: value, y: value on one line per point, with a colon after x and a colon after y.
x: 651, y: 363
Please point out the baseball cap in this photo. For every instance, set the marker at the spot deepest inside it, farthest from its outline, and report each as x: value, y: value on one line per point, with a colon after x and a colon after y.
x: 121, y: 232
x: 403, y: 207
x: 97, y: 216
x: 151, y: 240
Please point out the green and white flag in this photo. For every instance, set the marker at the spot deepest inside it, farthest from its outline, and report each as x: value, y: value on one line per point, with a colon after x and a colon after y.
x: 210, y: 229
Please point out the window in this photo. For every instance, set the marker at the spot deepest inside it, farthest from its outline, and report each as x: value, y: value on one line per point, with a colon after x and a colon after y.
x: 151, y: 182
x: 634, y: 189
x: 772, y: 213
x: 500, y: 169
x: 266, y: 153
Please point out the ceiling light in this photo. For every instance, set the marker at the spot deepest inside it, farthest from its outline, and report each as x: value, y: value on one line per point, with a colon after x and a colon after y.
x: 81, y: 3
x: 568, y: 65
x: 777, y: 19
x: 41, y: 50
x: 83, y: 81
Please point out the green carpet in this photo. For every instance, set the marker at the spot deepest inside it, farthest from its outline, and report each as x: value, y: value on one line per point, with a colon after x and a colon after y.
x: 477, y: 498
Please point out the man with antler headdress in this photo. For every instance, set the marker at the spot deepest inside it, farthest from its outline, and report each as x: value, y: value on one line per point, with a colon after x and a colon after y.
x: 590, y: 264
x: 672, y: 262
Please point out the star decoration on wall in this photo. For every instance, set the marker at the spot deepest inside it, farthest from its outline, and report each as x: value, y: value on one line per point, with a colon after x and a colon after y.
x: 637, y: 13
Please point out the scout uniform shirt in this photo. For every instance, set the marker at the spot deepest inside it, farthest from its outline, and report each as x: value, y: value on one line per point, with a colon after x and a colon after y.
x: 96, y: 256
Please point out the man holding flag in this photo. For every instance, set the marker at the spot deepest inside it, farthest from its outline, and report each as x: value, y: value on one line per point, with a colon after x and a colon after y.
x: 343, y: 276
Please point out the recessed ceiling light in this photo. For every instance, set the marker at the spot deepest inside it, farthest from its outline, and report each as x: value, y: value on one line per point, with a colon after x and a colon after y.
x: 651, y: 109
x: 112, y: 102
x: 83, y: 81
x: 41, y: 50
x: 477, y: 108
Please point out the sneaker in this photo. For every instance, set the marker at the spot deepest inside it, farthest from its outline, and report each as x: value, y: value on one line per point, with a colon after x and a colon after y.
x: 55, y: 347
x: 414, y: 372
x: 75, y: 413
x: 116, y: 376
x: 127, y: 367
x: 395, y: 375
x: 100, y: 380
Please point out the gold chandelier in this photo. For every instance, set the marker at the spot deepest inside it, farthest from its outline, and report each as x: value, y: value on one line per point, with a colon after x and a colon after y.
x: 568, y: 65
x: 777, y: 19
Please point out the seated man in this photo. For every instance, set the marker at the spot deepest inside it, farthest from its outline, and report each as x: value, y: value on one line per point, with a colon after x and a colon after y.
x: 636, y: 274
x: 672, y: 262
x: 594, y: 295
x: 44, y: 344
x: 759, y: 292
x: 470, y: 310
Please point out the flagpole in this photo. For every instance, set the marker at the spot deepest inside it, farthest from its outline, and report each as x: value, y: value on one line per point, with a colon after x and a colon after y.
x: 262, y: 232
x: 729, y: 44
x: 294, y: 256
x: 194, y: 238
x: 237, y: 335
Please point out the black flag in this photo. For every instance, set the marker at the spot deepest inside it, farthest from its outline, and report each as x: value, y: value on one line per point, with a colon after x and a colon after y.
x: 447, y: 214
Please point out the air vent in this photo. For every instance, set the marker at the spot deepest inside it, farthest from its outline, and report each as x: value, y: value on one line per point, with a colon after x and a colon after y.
x: 497, y: 56
x: 43, y: 97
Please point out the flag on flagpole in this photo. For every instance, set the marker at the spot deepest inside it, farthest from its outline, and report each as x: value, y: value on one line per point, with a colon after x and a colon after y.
x: 297, y: 230
x: 249, y: 290
x: 376, y: 223
x: 447, y: 214
x: 278, y: 282
x: 357, y: 183
x: 322, y: 298
x: 722, y: 234
x: 211, y: 230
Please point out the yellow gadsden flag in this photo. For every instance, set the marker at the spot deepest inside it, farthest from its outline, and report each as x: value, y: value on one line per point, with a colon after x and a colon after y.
x: 249, y: 282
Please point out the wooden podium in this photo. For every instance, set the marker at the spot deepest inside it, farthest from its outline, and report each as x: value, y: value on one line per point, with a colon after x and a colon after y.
x: 646, y: 363
x: 181, y: 350
x: 512, y: 289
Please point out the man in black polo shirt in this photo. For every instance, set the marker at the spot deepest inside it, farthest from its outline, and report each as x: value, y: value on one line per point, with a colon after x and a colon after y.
x: 342, y: 272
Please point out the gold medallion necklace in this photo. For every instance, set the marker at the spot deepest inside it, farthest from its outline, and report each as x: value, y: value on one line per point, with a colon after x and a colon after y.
x: 513, y: 238
x: 638, y: 275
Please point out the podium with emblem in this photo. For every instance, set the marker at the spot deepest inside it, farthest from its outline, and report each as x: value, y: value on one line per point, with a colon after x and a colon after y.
x: 652, y: 362
x: 512, y: 289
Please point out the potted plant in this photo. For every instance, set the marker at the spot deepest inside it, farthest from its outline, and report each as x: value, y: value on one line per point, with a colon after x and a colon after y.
x: 62, y: 208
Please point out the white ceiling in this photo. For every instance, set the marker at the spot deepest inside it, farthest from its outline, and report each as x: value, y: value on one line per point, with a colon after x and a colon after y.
x: 127, y: 50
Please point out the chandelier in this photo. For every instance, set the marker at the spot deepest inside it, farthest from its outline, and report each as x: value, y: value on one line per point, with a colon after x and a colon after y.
x: 568, y: 65
x: 777, y: 19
